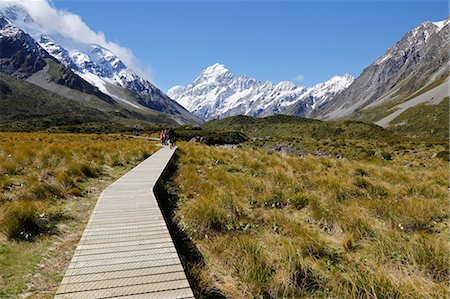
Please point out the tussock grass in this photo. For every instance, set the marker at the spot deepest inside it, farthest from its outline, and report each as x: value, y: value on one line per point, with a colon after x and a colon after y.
x: 25, y: 220
x: 278, y: 226
x: 40, y: 174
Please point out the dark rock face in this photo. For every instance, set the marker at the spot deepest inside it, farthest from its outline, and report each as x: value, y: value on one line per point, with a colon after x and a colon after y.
x: 419, y: 57
x: 19, y: 54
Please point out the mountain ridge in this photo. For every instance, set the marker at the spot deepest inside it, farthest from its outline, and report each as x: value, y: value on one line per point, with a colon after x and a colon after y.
x: 419, y: 58
x: 218, y: 93
x: 100, y: 73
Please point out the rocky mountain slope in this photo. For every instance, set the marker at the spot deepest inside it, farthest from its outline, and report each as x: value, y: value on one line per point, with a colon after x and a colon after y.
x: 218, y: 93
x: 27, y: 107
x: 418, y: 60
x: 97, y: 67
x: 22, y: 57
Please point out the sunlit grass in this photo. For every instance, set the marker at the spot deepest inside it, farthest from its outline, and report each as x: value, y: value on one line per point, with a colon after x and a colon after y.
x: 269, y: 225
x: 40, y: 175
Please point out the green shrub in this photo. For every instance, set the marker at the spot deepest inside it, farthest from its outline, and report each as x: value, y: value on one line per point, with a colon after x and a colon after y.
x: 370, y: 153
x: 360, y: 172
x: 341, y: 196
x: 386, y: 156
x: 379, y: 192
x: 47, y: 190
x: 10, y: 167
x: 299, y: 202
x: 276, y: 201
x: 145, y: 155
x: 89, y: 170
x: 361, y: 182
x: 444, y: 155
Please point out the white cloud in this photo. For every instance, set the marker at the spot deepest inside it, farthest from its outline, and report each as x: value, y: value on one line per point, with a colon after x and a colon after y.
x: 70, y: 25
x: 299, y: 78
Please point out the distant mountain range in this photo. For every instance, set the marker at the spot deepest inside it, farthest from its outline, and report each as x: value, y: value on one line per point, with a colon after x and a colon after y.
x: 218, y: 93
x: 413, y: 73
x: 415, y: 65
x: 86, y: 73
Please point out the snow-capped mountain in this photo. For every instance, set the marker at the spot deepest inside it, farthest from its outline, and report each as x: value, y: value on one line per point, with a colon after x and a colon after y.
x: 98, y: 66
x: 92, y: 62
x: 218, y: 93
x: 22, y: 57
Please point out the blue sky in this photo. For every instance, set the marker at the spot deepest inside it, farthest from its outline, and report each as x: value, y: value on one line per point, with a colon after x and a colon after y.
x: 268, y: 40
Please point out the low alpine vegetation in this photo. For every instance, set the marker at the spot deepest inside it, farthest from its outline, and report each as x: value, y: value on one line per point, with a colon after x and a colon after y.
x: 274, y: 226
x: 44, y: 180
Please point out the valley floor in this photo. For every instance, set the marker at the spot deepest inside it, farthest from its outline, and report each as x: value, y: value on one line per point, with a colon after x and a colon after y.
x: 337, y: 217
x: 271, y: 225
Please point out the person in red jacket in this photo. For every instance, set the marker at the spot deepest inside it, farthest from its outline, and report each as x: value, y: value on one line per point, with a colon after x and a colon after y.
x: 162, y: 136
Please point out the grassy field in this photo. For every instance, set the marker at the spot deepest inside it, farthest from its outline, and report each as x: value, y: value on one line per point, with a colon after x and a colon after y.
x: 300, y: 208
x: 341, y: 139
x: 424, y: 120
x: 274, y: 226
x: 48, y: 185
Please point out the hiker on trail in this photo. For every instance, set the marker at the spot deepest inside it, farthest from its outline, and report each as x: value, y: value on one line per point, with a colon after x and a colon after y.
x: 162, y: 137
x: 166, y: 137
x: 172, y: 138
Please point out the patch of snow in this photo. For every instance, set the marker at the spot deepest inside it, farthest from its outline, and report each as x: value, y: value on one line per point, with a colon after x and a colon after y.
x: 383, y: 58
x: 9, y: 30
x: 100, y: 84
x: 441, y: 24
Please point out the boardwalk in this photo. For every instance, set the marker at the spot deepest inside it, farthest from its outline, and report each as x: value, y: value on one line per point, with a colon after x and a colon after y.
x: 126, y: 250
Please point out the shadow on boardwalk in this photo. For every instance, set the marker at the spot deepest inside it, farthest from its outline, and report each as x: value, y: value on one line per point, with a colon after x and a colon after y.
x: 166, y: 195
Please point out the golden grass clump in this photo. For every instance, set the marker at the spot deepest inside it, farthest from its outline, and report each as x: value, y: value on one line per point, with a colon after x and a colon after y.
x: 276, y: 226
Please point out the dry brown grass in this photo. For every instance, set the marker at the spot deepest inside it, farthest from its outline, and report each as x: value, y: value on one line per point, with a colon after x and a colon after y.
x: 45, y: 195
x: 281, y: 226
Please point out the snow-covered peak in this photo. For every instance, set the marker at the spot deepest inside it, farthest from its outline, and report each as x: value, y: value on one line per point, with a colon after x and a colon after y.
x: 15, y: 13
x: 323, y: 92
x: 105, y: 56
x: 441, y: 24
x: 285, y: 85
x: 175, y: 91
x: 9, y: 31
x: 18, y: 16
x: 58, y: 52
x: 215, y: 70
x: 214, y: 74
x: 337, y: 83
